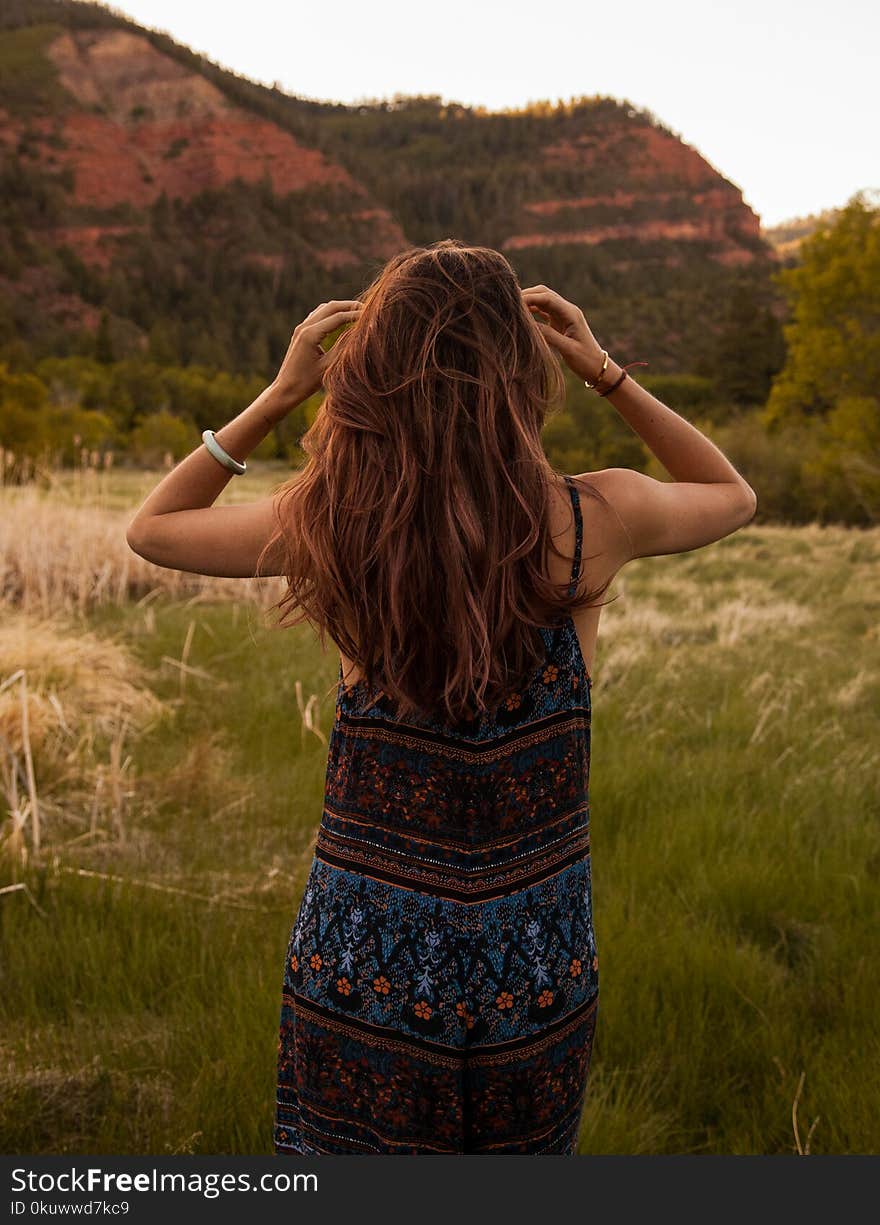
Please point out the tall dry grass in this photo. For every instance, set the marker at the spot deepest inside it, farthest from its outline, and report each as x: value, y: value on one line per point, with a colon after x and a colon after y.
x: 58, y: 553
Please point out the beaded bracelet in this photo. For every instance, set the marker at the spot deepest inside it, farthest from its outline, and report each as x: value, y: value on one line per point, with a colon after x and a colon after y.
x: 623, y: 375
x: 614, y: 386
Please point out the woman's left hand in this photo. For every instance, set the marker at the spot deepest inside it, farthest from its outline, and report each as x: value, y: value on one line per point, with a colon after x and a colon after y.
x: 304, y: 363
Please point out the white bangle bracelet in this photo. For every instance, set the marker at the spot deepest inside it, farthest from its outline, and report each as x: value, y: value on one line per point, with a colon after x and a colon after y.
x: 220, y: 455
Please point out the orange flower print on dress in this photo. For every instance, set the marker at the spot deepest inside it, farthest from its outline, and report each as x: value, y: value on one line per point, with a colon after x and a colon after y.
x: 575, y: 967
x: 343, y: 986
x: 595, y: 963
x: 381, y: 984
x: 467, y: 1017
x: 545, y: 999
x: 550, y: 673
x: 315, y: 961
x: 294, y: 962
x: 504, y: 999
x: 513, y: 701
x: 422, y: 1009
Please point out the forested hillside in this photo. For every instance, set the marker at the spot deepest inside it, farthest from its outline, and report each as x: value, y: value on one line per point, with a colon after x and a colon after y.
x: 204, y: 213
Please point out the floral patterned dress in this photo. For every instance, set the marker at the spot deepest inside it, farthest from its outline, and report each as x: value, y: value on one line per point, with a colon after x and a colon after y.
x: 441, y: 984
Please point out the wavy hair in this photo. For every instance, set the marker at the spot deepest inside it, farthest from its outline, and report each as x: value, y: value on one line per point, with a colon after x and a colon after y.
x: 416, y: 533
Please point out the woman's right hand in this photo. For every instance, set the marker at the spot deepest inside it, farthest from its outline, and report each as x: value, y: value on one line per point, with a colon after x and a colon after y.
x: 567, y: 331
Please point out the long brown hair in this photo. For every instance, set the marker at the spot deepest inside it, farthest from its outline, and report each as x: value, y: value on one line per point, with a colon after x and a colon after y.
x: 416, y: 533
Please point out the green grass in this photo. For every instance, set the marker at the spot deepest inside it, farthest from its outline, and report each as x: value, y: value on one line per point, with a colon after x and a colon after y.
x: 736, y: 857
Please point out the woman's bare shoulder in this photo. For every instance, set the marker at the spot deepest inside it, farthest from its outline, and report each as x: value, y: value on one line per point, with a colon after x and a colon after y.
x: 659, y: 517
x: 605, y: 532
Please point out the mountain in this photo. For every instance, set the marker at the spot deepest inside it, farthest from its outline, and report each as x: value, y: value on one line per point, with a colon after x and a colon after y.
x: 201, y: 214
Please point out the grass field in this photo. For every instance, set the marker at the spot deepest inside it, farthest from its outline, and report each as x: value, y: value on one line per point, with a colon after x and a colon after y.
x: 178, y: 760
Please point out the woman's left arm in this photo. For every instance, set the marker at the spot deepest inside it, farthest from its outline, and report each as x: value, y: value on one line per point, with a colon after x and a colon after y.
x: 178, y: 526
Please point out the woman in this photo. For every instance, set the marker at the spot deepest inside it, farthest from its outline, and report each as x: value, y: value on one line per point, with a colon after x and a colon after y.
x: 441, y: 979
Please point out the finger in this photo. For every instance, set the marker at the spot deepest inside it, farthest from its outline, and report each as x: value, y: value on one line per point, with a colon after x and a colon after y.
x: 320, y: 327
x: 550, y: 300
x: 545, y: 315
x: 555, y: 338
x: 337, y: 304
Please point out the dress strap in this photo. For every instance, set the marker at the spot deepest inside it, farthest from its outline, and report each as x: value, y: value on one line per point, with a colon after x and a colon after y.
x: 578, y: 535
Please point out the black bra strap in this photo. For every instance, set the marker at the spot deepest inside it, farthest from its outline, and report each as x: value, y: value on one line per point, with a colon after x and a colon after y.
x: 578, y: 535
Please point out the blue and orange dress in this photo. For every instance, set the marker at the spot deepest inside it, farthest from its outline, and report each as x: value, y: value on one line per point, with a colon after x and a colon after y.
x: 441, y: 984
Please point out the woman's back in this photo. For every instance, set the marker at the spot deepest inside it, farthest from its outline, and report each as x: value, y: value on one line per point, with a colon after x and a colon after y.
x: 607, y: 553
x: 448, y: 917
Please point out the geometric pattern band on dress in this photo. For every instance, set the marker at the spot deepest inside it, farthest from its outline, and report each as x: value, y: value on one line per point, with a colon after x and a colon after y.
x: 440, y: 987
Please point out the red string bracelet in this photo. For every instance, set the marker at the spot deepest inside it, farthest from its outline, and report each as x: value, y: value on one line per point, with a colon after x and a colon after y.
x: 623, y: 375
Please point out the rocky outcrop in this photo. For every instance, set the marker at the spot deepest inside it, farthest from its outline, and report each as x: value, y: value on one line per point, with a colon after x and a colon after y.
x: 140, y: 124
x: 145, y: 125
x: 667, y: 192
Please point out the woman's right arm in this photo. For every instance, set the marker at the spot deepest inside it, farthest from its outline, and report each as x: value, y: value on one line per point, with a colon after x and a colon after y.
x: 707, y: 498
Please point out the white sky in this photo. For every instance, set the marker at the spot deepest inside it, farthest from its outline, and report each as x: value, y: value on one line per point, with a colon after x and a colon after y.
x: 776, y: 94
